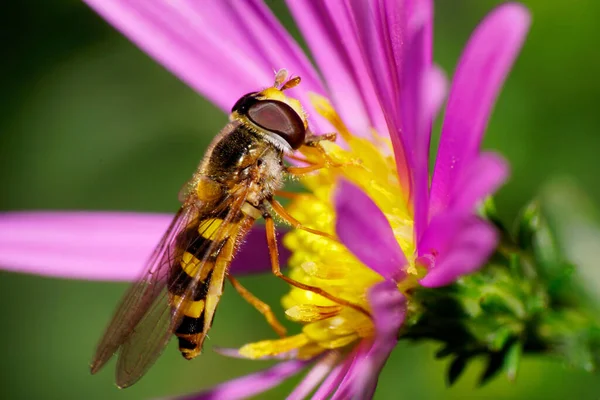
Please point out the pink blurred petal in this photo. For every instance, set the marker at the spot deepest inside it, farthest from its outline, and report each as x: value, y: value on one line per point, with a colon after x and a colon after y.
x: 455, y: 244
x: 436, y: 86
x: 100, y: 245
x: 389, y: 311
x: 344, y: 388
x: 419, y: 13
x: 366, y: 232
x: 223, y: 49
x: 316, y: 374
x: 335, y: 377
x: 480, y: 74
x: 327, y: 28
x: 480, y: 179
x: 250, y: 385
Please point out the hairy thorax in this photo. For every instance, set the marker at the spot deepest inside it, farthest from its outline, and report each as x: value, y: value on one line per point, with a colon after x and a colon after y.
x: 240, y: 161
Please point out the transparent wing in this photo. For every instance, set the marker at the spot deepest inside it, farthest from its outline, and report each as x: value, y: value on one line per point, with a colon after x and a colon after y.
x: 146, y: 320
x: 142, y: 294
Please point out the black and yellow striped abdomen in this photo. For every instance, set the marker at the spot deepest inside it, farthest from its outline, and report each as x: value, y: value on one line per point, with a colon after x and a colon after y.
x: 199, y: 276
x: 194, y: 264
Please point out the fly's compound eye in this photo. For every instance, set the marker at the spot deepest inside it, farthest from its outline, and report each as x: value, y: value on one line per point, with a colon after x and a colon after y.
x: 242, y: 105
x: 279, y: 118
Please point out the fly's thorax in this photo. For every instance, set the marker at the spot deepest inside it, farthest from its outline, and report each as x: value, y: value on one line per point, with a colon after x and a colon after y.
x: 231, y: 152
x: 240, y: 157
x: 268, y: 175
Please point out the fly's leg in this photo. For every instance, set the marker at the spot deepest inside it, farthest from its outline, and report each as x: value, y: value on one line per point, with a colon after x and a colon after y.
x: 314, y: 140
x: 298, y: 171
x: 261, y: 306
x: 292, y: 156
x: 283, y: 214
x: 274, y: 255
x: 287, y: 195
x: 312, y: 145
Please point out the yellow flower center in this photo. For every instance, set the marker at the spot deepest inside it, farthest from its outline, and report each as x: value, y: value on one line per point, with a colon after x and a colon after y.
x: 327, y: 264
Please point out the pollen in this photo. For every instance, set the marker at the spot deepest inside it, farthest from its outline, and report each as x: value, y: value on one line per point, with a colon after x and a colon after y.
x: 324, y: 263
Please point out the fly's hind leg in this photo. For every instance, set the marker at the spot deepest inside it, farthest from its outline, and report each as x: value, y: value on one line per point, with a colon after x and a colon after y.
x: 274, y: 256
x: 262, y: 307
x: 283, y: 214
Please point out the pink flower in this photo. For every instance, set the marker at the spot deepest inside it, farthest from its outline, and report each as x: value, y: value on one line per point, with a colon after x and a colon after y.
x: 375, y: 59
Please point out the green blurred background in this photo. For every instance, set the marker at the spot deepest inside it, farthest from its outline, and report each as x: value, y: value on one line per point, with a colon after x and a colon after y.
x: 90, y: 122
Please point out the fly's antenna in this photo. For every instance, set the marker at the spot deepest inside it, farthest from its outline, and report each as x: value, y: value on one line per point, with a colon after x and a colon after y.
x: 280, y: 78
x: 283, y: 83
x: 295, y: 81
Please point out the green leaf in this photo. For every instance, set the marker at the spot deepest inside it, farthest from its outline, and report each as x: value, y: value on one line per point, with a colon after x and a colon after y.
x: 495, y: 363
x: 444, y: 352
x: 512, y: 360
x: 456, y: 369
x: 528, y: 223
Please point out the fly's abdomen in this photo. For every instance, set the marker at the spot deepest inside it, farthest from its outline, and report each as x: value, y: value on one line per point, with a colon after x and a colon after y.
x: 196, y: 282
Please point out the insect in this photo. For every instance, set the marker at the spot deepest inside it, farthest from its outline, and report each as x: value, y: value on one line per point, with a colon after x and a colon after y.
x: 233, y: 186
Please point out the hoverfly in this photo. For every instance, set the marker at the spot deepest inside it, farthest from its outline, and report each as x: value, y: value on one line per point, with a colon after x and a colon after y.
x: 233, y: 186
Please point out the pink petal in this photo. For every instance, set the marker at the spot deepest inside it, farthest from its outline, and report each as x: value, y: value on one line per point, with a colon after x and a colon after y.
x: 416, y: 126
x: 366, y: 232
x: 316, y: 374
x: 389, y: 311
x: 420, y: 100
x: 420, y: 14
x: 171, y: 36
x: 480, y: 179
x: 99, y: 245
x: 344, y: 388
x: 335, y: 377
x: 276, y: 46
x: 327, y: 28
x: 481, y: 71
x: 250, y: 385
x: 379, y: 26
x: 223, y: 49
x: 455, y: 244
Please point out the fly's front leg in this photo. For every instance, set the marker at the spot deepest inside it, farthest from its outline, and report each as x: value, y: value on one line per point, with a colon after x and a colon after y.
x: 299, y: 171
x: 313, y: 146
x: 313, y: 140
x: 292, y: 156
x: 261, y: 306
x: 275, y: 267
